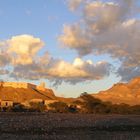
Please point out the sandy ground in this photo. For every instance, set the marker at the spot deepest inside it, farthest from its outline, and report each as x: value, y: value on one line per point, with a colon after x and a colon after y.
x: 49, y: 126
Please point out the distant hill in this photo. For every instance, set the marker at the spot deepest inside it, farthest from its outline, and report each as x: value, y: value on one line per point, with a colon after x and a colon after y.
x: 128, y: 93
x: 66, y: 100
x: 21, y: 94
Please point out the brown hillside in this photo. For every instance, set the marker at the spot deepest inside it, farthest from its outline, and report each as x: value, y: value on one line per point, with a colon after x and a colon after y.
x: 122, y: 93
x: 128, y: 93
x: 21, y: 94
x: 66, y: 100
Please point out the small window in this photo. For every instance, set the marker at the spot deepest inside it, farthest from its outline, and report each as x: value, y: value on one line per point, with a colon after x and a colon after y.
x: 6, y: 104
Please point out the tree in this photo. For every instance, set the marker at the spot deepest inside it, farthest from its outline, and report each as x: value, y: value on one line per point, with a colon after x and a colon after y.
x: 37, y: 106
x: 90, y: 103
x: 59, y: 107
x: 19, y: 108
x: 72, y: 109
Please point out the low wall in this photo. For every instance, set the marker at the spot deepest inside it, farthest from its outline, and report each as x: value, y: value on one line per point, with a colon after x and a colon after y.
x: 17, y: 85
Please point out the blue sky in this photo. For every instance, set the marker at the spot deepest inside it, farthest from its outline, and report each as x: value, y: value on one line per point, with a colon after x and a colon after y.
x: 40, y: 18
x: 45, y: 19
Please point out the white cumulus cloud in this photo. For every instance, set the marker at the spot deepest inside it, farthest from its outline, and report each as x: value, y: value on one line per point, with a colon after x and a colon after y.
x: 20, y: 53
x: 23, y: 48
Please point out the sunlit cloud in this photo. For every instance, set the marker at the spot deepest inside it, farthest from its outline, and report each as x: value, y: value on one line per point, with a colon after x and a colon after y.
x: 108, y: 27
x: 23, y: 48
x: 21, y: 54
x: 74, y: 4
x: 104, y: 27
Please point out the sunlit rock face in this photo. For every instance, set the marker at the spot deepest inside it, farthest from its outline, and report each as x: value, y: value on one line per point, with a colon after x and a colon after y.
x: 134, y: 83
x: 21, y: 92
x: 17, y: 85
x: 128, y: 93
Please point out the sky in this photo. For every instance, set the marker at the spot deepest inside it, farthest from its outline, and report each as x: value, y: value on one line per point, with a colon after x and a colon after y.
x: 74, y: 46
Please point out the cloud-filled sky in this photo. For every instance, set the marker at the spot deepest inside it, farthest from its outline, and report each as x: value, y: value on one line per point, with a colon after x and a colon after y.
x: 72, y: 45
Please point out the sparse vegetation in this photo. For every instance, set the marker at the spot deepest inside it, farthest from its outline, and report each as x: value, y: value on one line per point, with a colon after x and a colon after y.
x: 19, y: 108
x: 86, y: 104
x: 92, y: 105
x: 37, y: 106
x: 59, y: 107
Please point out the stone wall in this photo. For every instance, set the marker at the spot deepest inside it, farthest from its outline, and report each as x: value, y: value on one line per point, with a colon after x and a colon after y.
x: 17, y: 85
x: 41, y: 86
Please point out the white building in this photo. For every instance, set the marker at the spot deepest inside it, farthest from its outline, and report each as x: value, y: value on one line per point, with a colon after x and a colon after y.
x: 6, y: 103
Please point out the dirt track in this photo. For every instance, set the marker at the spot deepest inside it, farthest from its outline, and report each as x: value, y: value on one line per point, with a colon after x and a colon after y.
x: 46, y: 126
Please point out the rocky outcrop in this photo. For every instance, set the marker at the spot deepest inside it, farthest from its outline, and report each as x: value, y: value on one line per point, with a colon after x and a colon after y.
x: 128, y: 93
x: 25, y: 94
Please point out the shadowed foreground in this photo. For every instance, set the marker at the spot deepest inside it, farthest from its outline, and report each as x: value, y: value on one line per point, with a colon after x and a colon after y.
x: 40, y: 126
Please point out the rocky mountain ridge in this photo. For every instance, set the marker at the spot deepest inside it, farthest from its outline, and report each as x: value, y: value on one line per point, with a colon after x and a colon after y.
x: 22, y: 95
x: 128, y: 93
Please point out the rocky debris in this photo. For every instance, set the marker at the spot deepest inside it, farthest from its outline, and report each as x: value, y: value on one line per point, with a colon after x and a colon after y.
x: 67, y: 126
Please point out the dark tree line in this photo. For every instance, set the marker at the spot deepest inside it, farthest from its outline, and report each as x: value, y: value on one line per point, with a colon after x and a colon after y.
x: 86, y: 104
x: 91, y: 104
